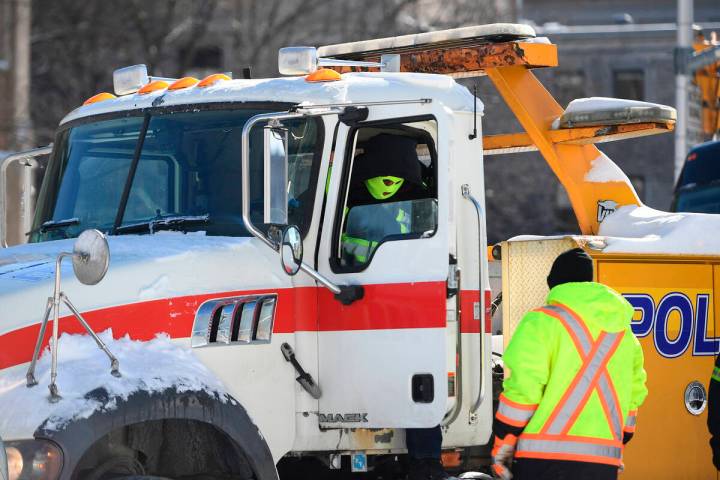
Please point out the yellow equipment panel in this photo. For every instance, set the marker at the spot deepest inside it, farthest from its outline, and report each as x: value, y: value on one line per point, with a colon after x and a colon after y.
x: 674, y: 320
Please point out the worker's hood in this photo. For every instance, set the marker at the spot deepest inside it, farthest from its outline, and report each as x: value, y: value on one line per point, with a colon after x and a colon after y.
x: 599, y: 306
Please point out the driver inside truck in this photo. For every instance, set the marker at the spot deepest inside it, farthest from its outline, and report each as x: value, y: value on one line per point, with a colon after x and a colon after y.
x: 385, y: 200
x: 390, y: 191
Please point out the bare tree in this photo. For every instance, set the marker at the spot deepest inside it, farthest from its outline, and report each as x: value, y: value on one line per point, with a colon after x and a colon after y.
x: 77, y: 45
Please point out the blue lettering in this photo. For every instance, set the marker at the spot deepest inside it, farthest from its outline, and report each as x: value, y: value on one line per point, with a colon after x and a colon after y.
x: 704, y: 345
x: 663, y: 344
x: 644, y: 304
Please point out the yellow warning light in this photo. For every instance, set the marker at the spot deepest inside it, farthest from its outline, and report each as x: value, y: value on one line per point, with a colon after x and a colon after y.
x: 212, y: 79
x: 100, y: 97
x: 323, y: 75
x: 153, y: 86
x: 184, y: 82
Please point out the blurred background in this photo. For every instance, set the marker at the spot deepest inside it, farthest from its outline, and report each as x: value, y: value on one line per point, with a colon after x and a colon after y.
x: 54, y: 54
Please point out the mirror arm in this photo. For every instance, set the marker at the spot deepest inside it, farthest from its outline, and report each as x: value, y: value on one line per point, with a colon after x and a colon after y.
x: 245, y: 159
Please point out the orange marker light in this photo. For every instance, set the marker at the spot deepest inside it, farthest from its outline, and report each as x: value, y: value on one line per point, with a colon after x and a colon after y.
x: 323, y: 75
x: 184, y: 82
x: 100, y: 97
x: 212, y: 79
x: 153, y: 86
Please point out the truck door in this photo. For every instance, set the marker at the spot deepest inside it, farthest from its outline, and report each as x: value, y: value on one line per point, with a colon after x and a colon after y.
x: 382, y: 357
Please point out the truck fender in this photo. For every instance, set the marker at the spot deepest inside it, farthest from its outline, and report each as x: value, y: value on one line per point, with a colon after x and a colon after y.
x: 223, y: 412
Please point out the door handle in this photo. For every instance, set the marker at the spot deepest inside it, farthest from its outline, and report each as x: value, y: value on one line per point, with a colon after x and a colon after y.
x: 304, y: 378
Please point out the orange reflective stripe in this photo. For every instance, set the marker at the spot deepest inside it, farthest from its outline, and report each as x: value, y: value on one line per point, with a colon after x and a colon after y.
x: 520, y: 406
x: 569, y: 391
x: 611, y: 410
x: 593, y: 375
x: 613, y: 344
x: 558, y: 316
x: 513, y: 413
x: 568, y: 456
x: 562, y: 448
x: 611, y: 406
x: 631, y: 421
x: 573, y: 438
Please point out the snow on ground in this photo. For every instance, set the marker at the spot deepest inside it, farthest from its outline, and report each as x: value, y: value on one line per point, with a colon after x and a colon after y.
x: 642, y: 229
x: 151, y: 366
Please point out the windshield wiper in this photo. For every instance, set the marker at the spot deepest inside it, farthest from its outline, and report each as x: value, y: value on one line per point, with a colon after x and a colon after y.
x: 54, y: 225
x: 176, y: 223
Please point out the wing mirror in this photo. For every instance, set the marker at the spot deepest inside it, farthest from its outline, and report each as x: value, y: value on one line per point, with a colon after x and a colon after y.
x: 291, y: 250
x: 90, y: 259
x: 275, y: 210
x: 275, y: 173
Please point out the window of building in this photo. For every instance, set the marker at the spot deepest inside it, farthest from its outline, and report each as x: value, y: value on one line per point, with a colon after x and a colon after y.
x: 629, y: 84
x: 569, y: 85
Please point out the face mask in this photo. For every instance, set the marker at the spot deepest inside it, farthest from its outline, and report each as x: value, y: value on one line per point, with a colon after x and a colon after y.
x: 385, y: 187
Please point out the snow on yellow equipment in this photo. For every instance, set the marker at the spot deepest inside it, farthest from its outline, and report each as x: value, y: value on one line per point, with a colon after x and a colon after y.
x: 323, y: 359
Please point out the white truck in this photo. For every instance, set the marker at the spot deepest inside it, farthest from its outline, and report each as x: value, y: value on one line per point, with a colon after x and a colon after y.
x: 225, y: 204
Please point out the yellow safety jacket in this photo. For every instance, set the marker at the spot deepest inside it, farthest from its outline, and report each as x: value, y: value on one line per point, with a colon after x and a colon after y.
x: 576, y: 376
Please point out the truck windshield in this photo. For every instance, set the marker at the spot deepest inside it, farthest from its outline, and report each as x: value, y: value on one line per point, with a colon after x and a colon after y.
x: 187, y: 178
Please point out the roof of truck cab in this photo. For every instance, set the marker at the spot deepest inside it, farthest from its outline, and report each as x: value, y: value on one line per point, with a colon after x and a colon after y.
x: 352, y: 88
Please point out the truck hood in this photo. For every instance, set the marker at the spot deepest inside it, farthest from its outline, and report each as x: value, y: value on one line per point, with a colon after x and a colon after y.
x: 143, y: 268
x: 146, y: 303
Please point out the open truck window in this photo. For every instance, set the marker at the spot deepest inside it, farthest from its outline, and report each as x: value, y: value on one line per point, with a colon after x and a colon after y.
x: 391, y: 190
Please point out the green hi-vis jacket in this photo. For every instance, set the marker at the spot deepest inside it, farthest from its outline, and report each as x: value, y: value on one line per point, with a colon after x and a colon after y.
x: 575, y: 376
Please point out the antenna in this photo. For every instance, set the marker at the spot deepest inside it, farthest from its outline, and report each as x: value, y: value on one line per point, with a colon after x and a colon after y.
x: 91, y: 258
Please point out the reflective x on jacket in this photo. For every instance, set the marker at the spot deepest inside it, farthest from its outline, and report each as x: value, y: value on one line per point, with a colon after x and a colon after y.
x: 576, y: 376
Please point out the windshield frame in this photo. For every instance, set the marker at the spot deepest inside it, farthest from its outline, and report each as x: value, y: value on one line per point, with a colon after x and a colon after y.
x: 159, y: 110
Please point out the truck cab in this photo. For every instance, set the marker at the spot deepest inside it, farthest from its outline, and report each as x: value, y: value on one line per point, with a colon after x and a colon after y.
x: 252, y: 302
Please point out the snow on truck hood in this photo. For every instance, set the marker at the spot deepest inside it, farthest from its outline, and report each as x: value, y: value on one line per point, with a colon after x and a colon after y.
x: 142, y: 267
x: 354, y: 87
x: 84, y: 368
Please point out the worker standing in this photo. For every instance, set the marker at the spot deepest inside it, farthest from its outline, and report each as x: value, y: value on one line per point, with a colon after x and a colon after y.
x: 574, y: 382
x: 713, y: 419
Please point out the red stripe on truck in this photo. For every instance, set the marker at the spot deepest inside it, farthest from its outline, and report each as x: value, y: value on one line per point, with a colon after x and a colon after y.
x: 384, y: 306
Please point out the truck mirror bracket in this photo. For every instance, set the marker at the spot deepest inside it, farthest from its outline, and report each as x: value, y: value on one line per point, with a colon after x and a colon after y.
x: 350, y: 293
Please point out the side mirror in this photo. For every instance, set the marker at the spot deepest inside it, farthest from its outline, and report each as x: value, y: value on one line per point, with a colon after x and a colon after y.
x: 291, y: 250
x: 275, y: 163
x: 91, y: 257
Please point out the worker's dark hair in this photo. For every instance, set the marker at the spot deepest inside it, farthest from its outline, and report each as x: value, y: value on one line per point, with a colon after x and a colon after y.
x: 572, y: 266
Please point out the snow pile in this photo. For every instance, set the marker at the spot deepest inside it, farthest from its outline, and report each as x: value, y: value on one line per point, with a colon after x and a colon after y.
x: 605, y: 170
x: 646, y: 230
x: 151, y: 366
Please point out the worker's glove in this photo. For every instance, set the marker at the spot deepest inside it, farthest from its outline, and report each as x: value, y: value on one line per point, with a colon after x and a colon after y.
x: 502, y: 453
